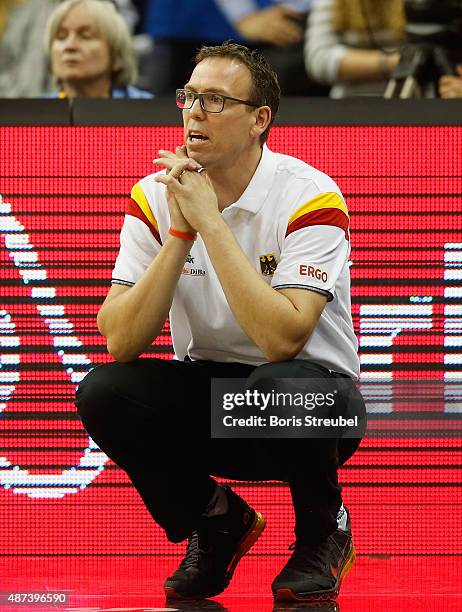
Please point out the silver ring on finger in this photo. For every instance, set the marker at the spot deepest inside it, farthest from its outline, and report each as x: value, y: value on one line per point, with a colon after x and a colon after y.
x: 201, y: 169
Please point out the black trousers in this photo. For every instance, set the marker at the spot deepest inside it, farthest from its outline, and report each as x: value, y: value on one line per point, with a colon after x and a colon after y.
x: 152, y: 418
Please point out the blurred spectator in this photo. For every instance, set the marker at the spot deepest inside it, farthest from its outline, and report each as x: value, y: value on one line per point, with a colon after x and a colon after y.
x: 346, y: 41
x: 275, y: 22
x: 91, y: 52
x: 179, y: 28
x: 451, y: 86
x: 23, y: 69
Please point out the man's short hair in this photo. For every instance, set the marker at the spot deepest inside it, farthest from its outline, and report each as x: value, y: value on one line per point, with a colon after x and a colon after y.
x: 112, y: 27
x: 265, y: 90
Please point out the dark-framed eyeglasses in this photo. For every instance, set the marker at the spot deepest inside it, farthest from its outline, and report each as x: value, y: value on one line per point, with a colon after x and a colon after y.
x: 210, y: 102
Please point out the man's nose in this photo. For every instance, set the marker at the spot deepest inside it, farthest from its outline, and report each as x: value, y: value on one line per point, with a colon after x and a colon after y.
x: 196, y: 109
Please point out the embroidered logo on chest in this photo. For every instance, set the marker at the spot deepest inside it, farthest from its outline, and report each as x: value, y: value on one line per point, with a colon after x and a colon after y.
x: 192, y: 271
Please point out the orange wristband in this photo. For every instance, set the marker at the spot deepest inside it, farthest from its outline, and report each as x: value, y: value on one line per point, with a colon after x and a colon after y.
x: 183, y: 235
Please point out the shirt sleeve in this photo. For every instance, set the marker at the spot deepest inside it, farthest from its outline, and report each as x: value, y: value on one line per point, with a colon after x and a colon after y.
x: 324, y: 50
x: 316, y: 246
x: 140, y: 240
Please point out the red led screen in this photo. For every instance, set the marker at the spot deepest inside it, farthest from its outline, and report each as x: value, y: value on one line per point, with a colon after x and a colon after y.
x: 64, y: 193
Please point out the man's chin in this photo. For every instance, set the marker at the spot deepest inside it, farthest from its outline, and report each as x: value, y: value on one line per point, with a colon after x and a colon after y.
x: 194, y: 155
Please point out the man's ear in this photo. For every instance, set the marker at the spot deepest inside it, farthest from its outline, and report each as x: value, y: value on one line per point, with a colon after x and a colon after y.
x: 262, y: 120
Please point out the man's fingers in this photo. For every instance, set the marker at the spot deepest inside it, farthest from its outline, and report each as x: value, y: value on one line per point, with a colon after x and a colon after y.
x: 172, y: 177
x: 167, y: 154
x: 181, y: 151
x: 180, y: 176
x: 163, y: 161
x: 171, y: 162
x: 166, y: 162
x: 180, y: 166
x: 168, y: 157
x: 171, y: 182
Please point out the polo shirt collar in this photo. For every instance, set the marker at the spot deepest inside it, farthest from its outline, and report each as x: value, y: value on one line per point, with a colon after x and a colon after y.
x: 260, y: 184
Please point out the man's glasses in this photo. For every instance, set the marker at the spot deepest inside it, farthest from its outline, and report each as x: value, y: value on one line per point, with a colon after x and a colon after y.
x: 210, y: 102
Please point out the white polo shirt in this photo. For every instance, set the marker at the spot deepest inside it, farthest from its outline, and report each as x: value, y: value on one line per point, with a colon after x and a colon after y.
x: 292, y: 223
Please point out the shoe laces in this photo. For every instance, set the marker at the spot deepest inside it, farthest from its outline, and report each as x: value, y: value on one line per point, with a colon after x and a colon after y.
x: 194, y: 551
x: 312, y: 557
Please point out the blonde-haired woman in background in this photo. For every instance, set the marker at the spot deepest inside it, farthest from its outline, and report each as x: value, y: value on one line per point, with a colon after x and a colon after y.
x: 91, y: 52
x: 353, y: 45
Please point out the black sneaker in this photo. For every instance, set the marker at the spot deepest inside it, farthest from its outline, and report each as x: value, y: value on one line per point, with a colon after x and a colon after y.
x: 214, y: 550
x: 314, y: 572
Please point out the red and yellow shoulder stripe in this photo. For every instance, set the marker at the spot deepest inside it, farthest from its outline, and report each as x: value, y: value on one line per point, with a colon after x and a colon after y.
x: 138, y: 207
x: 324, y: 209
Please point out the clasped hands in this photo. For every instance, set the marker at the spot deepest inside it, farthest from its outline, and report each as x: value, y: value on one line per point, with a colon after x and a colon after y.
x: 192, y: 202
